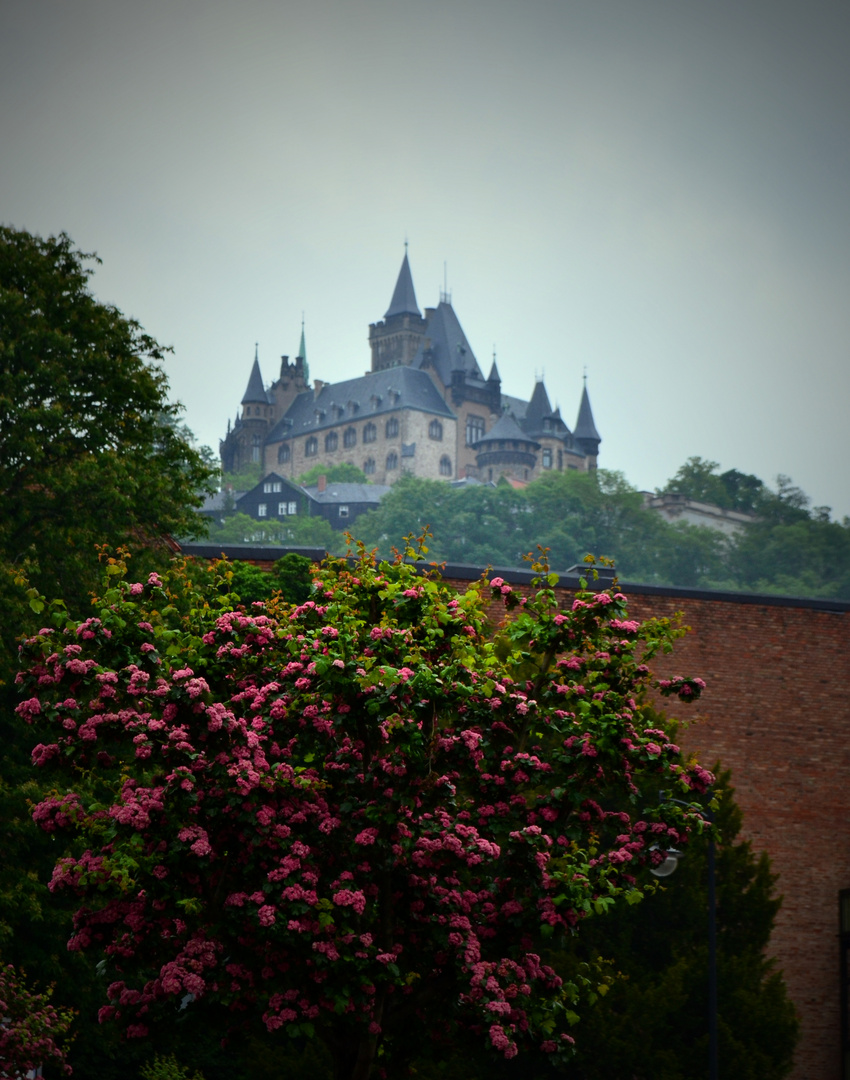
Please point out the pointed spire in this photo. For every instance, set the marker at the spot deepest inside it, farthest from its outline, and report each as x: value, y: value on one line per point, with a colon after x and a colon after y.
x: 494, y: 371
x: 585, y: 432
x: 255, y: 393
x: 302, y: 352
x: 404, y: 297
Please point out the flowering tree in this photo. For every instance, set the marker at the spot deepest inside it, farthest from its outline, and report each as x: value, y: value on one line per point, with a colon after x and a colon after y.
x: 361, y: 818
x: 32, y: 1031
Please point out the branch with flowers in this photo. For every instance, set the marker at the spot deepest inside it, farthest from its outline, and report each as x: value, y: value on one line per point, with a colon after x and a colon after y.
x: 363, y: 818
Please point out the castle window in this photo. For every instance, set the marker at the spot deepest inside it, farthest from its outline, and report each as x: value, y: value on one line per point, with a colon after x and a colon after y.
x: 369, y: 466
x: 261, y: 510
x: 283, y: 453
x: 547, y: 458
x: 392, y: 427
x: 255, y: 449
x: 560, y: 460
x: 392, y: 461
x: 445, y: 466
x: 435, y: 431
x: 474, y: 429
x: 311, y: 447
x: 370, y: 433
x: 349, y: 437
x: 331, y: 441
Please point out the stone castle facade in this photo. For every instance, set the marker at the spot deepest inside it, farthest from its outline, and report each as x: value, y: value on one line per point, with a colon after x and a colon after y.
x: 424, y: 408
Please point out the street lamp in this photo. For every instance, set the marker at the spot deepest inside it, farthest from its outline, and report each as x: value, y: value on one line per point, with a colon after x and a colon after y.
x: 665, y: 869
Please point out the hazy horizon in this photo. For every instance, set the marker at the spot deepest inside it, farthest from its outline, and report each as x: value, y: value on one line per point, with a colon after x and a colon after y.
x: 656, y: 193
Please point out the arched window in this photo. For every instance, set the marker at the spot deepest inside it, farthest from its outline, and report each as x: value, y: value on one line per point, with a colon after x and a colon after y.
x: 369, y: 466
x: 435, y: 430
x: 392, y: 460
x: 283, y: 453
x: 331, y: 441
x: 474, y: 429
x: 311, y: 447
x: 392, y: 427
x: 370, y: 432
x: 349, y: 437
x: 445, y: 465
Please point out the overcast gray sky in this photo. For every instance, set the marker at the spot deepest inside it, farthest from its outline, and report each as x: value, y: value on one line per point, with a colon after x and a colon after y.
x: 654, y: 190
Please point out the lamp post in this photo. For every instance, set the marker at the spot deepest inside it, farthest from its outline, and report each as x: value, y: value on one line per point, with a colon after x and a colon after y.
x: 665, y: 869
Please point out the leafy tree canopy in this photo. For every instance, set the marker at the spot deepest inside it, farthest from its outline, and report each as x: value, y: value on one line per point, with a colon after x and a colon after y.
x: 344, y: 473
x: 359, y: 818
x: 90, y: 447
x: 294, y: 530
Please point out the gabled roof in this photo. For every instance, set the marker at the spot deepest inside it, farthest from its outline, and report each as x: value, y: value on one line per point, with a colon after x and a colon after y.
x: 358, y: 400
x: 585, y: 427
x: 449, y: 349
x: 404, y: 297
x: 348, y: 493
x: 255, y: 394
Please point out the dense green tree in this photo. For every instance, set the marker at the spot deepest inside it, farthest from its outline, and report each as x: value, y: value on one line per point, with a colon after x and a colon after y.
x: 652, y: 1024
x: 296, y: 531
x: 346, y: 473
x: 701, y: 480
x: 90, y: 448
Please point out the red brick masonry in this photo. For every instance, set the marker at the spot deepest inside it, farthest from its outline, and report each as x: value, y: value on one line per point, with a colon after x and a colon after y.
x: 777, y: 713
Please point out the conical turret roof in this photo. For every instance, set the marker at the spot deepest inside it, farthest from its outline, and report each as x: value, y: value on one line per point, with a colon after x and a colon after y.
x: 302, y: 352
x: 404, y: 297
x: 585, y: 427
x: 255, y: 394
x: 506, y: 428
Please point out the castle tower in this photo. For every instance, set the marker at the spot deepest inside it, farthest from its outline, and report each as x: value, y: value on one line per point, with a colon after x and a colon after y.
x: 586, y: 437
x: 395, y: 341
x: 506, y: 450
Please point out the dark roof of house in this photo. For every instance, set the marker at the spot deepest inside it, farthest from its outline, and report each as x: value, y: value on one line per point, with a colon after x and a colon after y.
x: 215, y: 503
x: 585, y: 427
x: 348, y: 493
x: 255, y: 394
x: 449, y: 349
x: 356, y: 400
x: 404, y: 297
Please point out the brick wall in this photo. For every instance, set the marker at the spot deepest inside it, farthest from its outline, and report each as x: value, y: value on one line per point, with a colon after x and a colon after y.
x: 776, y: 713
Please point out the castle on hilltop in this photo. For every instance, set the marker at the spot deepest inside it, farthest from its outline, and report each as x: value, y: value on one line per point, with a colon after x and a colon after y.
x: 424, y: 408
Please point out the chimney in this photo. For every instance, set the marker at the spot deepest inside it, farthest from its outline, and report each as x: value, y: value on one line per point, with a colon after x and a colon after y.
x: 317, y: 387
x: 322, y: 483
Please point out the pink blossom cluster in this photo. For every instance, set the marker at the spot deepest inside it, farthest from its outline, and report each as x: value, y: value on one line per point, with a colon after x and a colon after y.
x: 328, y: 810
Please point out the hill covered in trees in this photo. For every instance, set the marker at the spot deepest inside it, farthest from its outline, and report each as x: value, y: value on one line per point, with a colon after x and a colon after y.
x: 791, y: 548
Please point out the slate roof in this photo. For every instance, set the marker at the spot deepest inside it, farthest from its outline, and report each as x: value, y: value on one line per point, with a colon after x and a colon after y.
x: 450, y: 349
x: 255, y: 394
x: 348, y: 493
x: 537, y: 417
x: 404, y: 296
x: 585, y: 427
x: 373, y: 394
x: 505, y: 428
